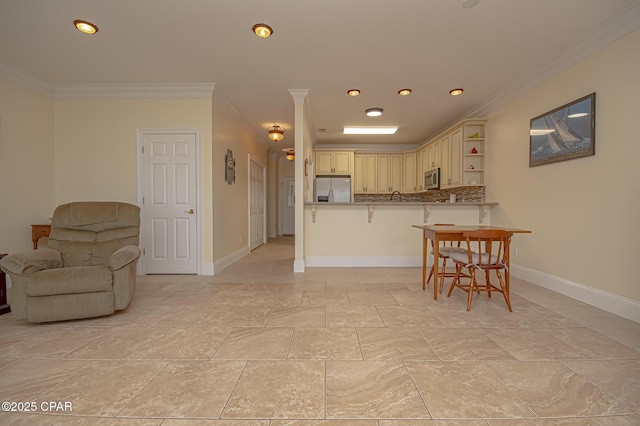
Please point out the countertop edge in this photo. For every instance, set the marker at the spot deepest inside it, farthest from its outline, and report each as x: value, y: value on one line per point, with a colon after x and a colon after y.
x: 400, y: 203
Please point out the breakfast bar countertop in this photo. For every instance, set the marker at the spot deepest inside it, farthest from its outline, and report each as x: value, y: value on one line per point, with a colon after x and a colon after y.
x: 403, y: 203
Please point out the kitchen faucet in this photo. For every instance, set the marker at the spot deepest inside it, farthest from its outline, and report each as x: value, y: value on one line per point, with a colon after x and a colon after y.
x: 393, y: 193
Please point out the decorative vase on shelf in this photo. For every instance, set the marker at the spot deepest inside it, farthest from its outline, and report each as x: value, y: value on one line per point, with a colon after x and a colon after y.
x: 474, y: 150
x: 474, y: 136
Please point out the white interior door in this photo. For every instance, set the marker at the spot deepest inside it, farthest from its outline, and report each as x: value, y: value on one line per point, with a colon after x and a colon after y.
x: 257, y: 204
x: 287, y: 205
x: 169, y: 225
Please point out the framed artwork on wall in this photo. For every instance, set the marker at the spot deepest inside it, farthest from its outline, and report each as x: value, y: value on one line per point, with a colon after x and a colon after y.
x: 229, y: 168
x: 564, y: 133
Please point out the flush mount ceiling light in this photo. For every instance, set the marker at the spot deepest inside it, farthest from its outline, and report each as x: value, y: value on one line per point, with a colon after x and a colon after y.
x: 262, y: 30
x: 404, y: 92
x: 456, y: 92
x: 369, y: 130
x: 290, y: 154
x: 374, y: 112
x: 85, y: 26
x: 353, y: 92
x: 468, y: 4
x: 276, y: 133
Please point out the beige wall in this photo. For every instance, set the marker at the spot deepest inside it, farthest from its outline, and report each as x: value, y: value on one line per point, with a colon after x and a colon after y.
x: 583, y: 212
x: 230, y: 202
x: 27, y: 184
x: 95, y: 156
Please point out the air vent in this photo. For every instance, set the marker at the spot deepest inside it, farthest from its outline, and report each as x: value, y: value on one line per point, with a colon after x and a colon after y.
x: 321, y: 130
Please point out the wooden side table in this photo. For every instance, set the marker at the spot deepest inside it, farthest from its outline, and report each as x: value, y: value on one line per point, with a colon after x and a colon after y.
x: 39, y: 231
x: 4, y: 306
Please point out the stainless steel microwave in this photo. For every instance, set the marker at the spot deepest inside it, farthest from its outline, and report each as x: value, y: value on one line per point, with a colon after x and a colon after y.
x: 432, y: 179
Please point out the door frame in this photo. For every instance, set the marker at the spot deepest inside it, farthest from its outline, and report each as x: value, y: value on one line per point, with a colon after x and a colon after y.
x: 251, y: 158
x: 197, y: 133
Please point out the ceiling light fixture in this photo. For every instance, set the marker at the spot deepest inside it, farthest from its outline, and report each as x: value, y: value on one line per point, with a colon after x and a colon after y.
x: 85, y: 26
x: 262, y: 30
x: 374, y: 112
x: 369, y: 130
x: 290, y: 154
x: 404, y: 92
x: 468, y: 4
x: 456, y: 92
x: 276, y: 133
x: 353, y: 92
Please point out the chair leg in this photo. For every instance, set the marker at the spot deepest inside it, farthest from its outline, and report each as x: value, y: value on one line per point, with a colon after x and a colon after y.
x: 430, y: 275
x: 505, y: 291
x: 456, y: 279
x: 488, y: 278
x: 472, y: 286
x: 444, y: 268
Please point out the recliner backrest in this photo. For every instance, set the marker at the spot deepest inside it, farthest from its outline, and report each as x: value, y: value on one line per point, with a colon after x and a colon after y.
x: 87, y: 233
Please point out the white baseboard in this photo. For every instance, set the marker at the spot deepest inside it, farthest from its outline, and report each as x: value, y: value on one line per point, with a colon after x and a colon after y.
x: 364, y: 262
x: 206, y: 269
x: 223, y: 263
x: 609, y: 302
x: 298, y: 265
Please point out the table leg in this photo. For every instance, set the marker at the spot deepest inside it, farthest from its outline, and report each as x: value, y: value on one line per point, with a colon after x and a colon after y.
x: 436, y: 256
x: 424, y: 261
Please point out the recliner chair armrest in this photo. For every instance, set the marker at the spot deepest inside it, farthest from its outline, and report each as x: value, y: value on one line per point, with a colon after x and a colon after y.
x: 123, y: 256
x: 27, y: 262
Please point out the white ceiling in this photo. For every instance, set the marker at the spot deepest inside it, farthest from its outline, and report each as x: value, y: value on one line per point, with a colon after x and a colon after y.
x: 494, y: 51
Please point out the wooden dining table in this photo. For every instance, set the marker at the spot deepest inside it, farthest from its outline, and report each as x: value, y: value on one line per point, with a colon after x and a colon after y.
x: 438, y: 233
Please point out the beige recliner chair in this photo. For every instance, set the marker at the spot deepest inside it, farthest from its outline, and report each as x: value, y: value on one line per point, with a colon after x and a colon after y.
x: 88, y: 269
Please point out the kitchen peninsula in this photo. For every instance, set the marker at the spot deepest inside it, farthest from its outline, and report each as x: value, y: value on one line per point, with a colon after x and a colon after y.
x: 379, y: 233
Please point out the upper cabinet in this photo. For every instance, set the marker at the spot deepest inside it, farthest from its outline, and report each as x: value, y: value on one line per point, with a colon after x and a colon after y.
x: 421, y: 161
x: 389, y: 173
x: 409, y: 173
x: 334, y: 162
x: 365, y: 172
x: 433, y: 155
x: 450, y: 175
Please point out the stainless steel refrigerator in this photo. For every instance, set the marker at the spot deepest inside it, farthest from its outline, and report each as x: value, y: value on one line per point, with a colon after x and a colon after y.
x: 333, y: 189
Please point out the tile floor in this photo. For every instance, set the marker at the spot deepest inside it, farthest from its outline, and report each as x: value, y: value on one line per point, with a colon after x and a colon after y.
x: 260, y: 345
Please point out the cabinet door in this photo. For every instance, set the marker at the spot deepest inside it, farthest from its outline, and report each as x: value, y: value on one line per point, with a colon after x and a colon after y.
x: 445, y: 173
x: 420, y: 161
x: 384, y: 174
x: 409, y: 181
x: 324, y: 163
x: 342, y: 163
x: 358, y: 174
x: 396, y: 173
x: 455, y: 158
x: 371, y: 174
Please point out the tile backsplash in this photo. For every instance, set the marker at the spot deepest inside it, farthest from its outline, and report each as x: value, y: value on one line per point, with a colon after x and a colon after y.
x: 468, y: 194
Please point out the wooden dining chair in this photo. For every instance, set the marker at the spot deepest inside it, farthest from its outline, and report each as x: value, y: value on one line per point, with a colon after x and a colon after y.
x: 446, y: 248
x: 491, y: 254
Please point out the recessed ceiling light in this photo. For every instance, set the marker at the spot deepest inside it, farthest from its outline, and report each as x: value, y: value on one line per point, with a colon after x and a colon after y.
x: 404, y: 92
x: 85, y: 26
x: 456, y: 92
x: 369, y: 130
x: 374, y: 112
x: 262, y: 30
x: 353, y: 92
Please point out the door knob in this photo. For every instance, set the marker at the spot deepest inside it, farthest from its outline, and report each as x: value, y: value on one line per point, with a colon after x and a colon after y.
x: 192, y: 211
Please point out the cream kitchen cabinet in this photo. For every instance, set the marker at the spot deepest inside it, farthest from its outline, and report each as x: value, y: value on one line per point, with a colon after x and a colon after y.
x: 451, y: 167
x: 409, y: 173
x: 433, y: 155
x: 421, y: 160
x: 389, y: 173
x: 365, y: 173
x: 333, y: 163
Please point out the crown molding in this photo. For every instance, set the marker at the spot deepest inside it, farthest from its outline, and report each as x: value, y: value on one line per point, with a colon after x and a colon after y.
x: 224, y: 101
x: 134, y: 91
x: 21, y: 78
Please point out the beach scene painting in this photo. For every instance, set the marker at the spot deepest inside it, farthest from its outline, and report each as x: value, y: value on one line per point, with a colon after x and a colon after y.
x: 564, y: 133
